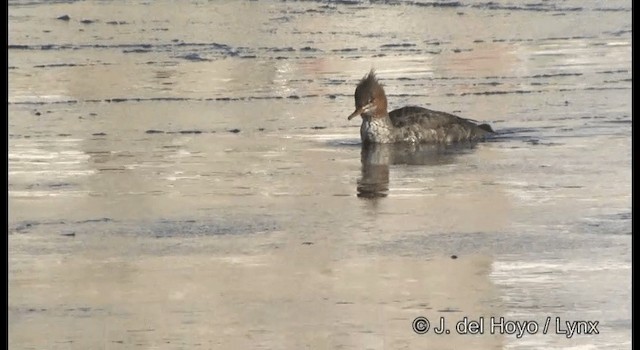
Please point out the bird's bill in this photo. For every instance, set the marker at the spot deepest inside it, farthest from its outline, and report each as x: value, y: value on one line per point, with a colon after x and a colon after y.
x: 355, y: 113
x: 369, y: 108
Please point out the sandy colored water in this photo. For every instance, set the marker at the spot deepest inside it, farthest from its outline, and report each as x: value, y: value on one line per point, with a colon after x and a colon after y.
x: 183, y: 175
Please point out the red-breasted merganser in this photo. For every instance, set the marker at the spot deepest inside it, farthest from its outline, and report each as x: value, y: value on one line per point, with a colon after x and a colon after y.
x: 408, y: 124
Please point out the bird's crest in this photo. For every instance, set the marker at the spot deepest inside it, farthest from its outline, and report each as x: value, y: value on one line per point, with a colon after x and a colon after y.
x: 368, y: 84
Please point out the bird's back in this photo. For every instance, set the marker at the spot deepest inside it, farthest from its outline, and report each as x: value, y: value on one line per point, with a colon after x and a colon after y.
x: 420, y: 124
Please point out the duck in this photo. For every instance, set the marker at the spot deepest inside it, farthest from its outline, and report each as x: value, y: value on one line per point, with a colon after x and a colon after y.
x: 409, y: 124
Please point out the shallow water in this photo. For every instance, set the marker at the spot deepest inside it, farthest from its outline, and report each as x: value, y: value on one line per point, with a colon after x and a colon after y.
x: 184, y: 176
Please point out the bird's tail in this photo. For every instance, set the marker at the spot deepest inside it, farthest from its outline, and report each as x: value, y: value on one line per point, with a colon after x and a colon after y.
x: 485, y: 127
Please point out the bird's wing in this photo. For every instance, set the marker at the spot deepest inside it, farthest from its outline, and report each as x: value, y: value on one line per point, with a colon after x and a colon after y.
x: 431, y: 119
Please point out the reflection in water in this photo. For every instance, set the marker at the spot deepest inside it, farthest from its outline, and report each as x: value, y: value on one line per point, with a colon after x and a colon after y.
x: 376, y: 159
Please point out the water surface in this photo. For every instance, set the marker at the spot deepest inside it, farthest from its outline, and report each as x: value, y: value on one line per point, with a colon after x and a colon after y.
x: 184, y: 176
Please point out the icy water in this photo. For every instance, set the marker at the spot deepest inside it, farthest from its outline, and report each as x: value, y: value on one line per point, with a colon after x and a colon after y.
x: 182, y: 175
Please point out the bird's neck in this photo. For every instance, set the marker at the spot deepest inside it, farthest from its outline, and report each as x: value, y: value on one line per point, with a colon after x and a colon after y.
x: 377, y: 130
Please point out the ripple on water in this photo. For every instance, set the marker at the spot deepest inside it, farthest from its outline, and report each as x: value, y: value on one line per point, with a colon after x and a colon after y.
x: 161, y: 228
